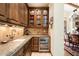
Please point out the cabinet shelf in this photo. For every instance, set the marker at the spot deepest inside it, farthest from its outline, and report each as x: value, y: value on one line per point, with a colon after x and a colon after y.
x: 38, y: 18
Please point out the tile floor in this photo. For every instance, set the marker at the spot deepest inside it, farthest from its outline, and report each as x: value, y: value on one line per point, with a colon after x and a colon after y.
x: 66, y: 53
x: 48, y: 54
x: 40, y: 54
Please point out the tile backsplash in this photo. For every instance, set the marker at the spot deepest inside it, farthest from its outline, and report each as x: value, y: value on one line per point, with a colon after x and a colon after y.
x: 8, y: 33
x: 37, y: 31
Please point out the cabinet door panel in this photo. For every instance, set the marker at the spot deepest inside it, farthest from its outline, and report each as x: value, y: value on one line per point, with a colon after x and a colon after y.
x: 21, y: 13
x: 13, y: 12
x: 38, y: 21
x: 2, y: 8
x: 36, y: 48
x: 4, y: 11
x: 35, y: 44
x: 27, y: 48
x: 19, y: 53
x: 25, y: 15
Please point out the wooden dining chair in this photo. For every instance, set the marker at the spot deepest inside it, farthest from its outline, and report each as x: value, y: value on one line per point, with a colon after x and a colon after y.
x: 75, y: 41
x: 68, y: 39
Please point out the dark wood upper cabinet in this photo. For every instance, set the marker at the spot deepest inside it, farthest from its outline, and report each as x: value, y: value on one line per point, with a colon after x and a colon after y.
x: 19, y: 12
x: 38, y: 17
x: 23, y: 13
x: 7, y: 10
x: 2, y: 8
x: 14, y: 12
x: 4, y: 11
x: 26, y: 14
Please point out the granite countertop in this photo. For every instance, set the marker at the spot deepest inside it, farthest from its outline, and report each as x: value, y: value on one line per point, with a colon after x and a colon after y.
x: 10, y: 48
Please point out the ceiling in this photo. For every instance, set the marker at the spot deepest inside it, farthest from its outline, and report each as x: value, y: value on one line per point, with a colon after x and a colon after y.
x: 68, y: 8
x: 76, y: 5
x: 38, y: 4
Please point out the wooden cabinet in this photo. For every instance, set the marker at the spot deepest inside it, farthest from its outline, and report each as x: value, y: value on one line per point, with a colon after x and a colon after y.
x: 25, y: 20
x: 19, y: 12
x: 31, y: 21
x: 38, y: 19
x: 23, y: 13
x: 19, y: 53
x: 41, y: 44
x: 4, y: 11
x: 16, y: 13
x: 35, y: 44
x: 27, y: 49
x: 2, y: 8
x: 13, y: 13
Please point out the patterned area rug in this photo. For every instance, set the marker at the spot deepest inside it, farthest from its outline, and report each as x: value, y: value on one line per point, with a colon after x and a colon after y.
x: 72, y: 50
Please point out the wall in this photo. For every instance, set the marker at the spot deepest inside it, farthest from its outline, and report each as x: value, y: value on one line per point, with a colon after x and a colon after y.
x: 58, y: 29
x: 51, y: 29
x: 57, y: 32
x: 66, y: 16
x: 68, y: 11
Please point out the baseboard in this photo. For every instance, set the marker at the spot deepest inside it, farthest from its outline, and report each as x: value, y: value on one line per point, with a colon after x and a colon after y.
x: 51, y: 53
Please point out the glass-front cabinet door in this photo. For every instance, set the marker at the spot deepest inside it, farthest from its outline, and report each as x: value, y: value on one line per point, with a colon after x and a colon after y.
x: 44, y: 21
x: 45, y: 18
x: 31, y: 18
x: 38, y: 18
x: 38, y: 21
